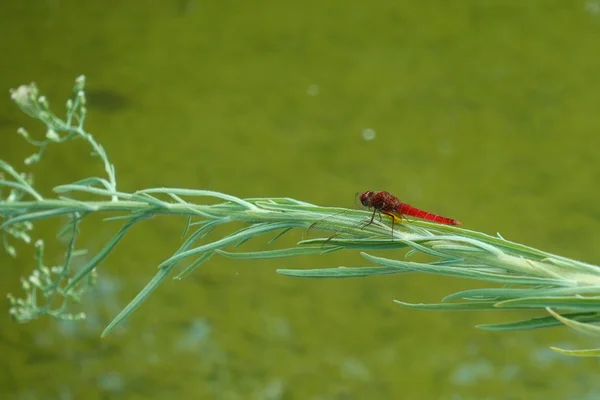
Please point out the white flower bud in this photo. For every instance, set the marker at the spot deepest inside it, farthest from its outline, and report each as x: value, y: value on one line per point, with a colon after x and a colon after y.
x: 23, y: 95
x: 25, y: 285
x: 52, y: 135
x: 35, y: 281
x: 80, y: 82
x: 32, y: 159
x: 11, y: 251
x: 23, y: 133
x: 43, y: 102
x: 81, y: 95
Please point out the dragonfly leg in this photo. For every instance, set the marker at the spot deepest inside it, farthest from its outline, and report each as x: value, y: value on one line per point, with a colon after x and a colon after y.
x: 393, y: 221
x: 372, y: 218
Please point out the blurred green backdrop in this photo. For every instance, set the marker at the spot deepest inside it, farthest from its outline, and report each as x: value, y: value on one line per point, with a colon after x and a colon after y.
x: 484, y: 111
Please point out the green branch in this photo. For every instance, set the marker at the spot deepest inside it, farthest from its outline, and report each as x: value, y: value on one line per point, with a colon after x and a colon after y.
x: 567, y: 291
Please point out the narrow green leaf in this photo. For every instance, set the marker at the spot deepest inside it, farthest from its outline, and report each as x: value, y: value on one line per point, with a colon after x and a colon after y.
x: 424, y: 249
x: 34, y: 216
x: 91, y: 190
x: 509, y: 293
x: 229, y: 240
x: 102, y: 254
x: 138, y: 300
x: 18, y: 186
x: 192, y: 208
x: 483, y: 305
x: 578, y: 353
x: 151, y: 200
x: 573, y: 264
x: 456, y: 248
x: 200, y: 233
x: 70, y: 226
x: 188, y: 223
x: 566, y: 303
x: 129, y: 217
x: 92, y: 180
x: 241, y: 242
x: 281, y: 201
x: 585, y: 328
x: 339, y: 272
x: 199, y: 261
x: 453, y: 239
x: 539, y: 322
x: 454, y: 262
x: 268, y: 254
x: 357, y: 244
x: 202, y: 193
x: 24, y: 185
x: 280, y: 234
x: 457, y: 271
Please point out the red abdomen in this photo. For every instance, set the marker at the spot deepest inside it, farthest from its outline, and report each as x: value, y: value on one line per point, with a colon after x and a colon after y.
x: 406, y: 209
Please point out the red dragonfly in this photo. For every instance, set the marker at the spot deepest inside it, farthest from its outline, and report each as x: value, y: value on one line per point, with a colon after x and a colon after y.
x: 388, y: 204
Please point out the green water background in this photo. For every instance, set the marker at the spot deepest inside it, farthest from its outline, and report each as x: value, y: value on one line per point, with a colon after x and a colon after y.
x: 485, y: 112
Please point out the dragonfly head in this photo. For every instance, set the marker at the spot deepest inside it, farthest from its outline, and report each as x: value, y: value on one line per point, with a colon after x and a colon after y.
x: 365, y: 198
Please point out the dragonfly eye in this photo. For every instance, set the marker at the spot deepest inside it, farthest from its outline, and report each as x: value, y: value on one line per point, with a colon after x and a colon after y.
x: 365, y: 198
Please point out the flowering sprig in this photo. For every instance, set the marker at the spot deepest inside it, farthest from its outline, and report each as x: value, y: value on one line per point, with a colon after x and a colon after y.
x: 566, y: 290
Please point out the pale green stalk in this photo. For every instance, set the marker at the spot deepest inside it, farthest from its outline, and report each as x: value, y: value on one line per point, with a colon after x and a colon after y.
x: 567, y: 290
